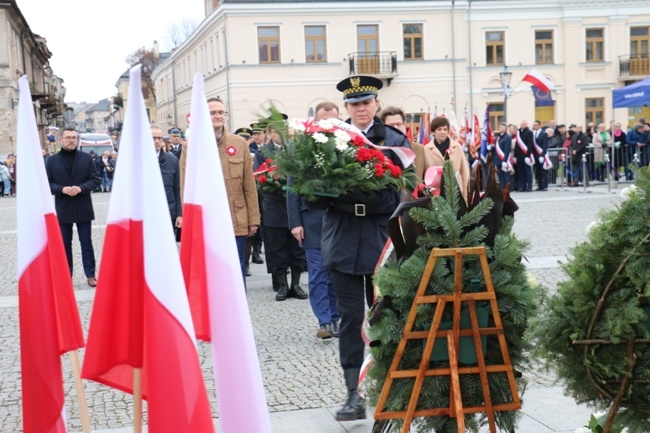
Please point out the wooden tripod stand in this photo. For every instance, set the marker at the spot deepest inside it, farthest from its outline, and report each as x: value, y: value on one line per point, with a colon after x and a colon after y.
x: 452, y: 336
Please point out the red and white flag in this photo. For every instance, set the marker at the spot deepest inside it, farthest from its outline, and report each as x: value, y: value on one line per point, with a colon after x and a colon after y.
x: 214, y: 280
x: 141, y: 318
x: 49, y: 318
x: 538, y: 79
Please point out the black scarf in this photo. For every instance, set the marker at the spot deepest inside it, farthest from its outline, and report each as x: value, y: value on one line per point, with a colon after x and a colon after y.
x: 442, y: 147
x: 68, y: 159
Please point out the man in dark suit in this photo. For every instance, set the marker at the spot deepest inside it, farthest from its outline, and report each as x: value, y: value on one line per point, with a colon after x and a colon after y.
x: 175, y: 145
x: 73, y: 176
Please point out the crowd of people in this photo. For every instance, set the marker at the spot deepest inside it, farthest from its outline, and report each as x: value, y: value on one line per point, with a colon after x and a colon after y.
x: 336, y: 240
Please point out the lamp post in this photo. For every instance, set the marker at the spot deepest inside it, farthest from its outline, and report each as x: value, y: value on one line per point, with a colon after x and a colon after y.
x: 505, y: 76
x: 169, y: 120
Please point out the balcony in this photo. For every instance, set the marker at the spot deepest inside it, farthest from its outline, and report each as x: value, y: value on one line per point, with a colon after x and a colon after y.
x: 379, y: 64
x: 634, y: 67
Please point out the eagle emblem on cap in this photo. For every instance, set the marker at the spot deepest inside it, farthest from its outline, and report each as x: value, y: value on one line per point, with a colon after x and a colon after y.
x: 355, y: 81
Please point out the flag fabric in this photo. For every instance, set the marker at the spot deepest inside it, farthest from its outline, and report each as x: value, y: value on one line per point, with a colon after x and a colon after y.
x: 409, y: 134
x: 542, y: 99
x: 49, y: 318
x: 539, y: 80
x: 464, y: 129
x: 211, y: 266
x: 487, y: 137
x: 422, y: 130
x: 141, y: 317
x: 427, y: 127
x: 475, y: 140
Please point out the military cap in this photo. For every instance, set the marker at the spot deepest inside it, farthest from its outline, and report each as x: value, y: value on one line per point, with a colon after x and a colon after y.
x: 257, y: 127
x: 359, y: 88
x: 244, y: 132
x: 175, y: 131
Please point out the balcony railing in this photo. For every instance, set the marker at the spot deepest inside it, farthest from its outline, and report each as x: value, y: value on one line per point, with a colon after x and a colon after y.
x: 379, y: 64
x: 634, y: 66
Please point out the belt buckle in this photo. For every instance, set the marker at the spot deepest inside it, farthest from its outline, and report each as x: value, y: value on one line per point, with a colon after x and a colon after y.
x: 360, y: 209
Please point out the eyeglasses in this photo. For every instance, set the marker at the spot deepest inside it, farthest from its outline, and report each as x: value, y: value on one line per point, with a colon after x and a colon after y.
x: 157, y: 139
x: 218, y: 113
x: 70, y: 138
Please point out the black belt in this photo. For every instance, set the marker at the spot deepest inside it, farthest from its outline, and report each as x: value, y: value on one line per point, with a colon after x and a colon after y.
x: 358, y: 209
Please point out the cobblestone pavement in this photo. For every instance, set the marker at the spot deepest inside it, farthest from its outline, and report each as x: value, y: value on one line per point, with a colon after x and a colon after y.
x: 299, y: 371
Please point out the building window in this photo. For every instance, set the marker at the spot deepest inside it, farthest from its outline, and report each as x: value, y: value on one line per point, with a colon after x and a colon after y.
x: 494, y: 48
x: 496, y: 114
x: 315, y: 44
x: 543, y: 46
x: 268, y: 41
x: 594, y: 111
x: 595, y: 44
x: 412, y: 41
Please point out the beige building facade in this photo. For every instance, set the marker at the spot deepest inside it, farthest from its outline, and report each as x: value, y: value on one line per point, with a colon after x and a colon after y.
x: 432, y: 56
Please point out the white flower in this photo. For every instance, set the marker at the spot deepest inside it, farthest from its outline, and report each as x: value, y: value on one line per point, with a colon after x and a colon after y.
x: 297, y: 125
x: 341, y: 145
x: 319, y: 137
x: 629, y: 191
x: 583, y: 430
x: 592, y: 226
x: 342, y: 135
x: 325, y: 124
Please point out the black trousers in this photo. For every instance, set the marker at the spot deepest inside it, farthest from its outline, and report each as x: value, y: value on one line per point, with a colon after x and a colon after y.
x: 85, y: 239
x: 282, y: 251
x: 351, y: 292
x: 541, y: 175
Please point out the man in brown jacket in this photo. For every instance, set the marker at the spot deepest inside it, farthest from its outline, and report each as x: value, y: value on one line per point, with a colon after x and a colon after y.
x: 237, y: 166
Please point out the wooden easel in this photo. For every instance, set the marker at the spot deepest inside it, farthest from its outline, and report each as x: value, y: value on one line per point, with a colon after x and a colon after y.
x: 455, y: 409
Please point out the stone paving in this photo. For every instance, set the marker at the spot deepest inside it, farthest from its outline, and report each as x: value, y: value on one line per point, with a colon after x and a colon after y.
x: 300, y: 372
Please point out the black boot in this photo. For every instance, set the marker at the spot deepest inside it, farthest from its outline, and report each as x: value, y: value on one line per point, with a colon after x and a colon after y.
x: 295, y: 290
x: 353, y: 408
x: 248, y: 270
x: 257, y: 259
x: 276, y: 284
x: 283, y: 286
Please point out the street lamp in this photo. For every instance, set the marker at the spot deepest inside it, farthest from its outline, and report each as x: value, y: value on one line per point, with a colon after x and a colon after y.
x: 169, y: 119
x: 505, y: 76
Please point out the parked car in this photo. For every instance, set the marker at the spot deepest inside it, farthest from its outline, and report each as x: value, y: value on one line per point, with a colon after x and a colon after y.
x: 97, y: 142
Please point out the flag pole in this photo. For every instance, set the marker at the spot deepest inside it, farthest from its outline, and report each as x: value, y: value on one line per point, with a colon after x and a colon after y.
x: 81, y: 394
x: 137, y: 400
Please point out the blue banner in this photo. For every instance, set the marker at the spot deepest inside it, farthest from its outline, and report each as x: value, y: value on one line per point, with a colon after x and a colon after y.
x: 542, y: 99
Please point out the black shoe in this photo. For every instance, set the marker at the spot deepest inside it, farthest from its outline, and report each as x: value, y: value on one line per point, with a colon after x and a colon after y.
x: 248, y: 271
x: 353, y: 408
x: 335, y: 329
x: 256, y: 256
x: 296, y: 291
x: 324, y: 332
x: 283, y: 286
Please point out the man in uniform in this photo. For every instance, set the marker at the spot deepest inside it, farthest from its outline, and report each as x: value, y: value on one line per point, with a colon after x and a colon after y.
x: 237, y: 166
x: 282, y: 250
x: 354, y: 235
x: 175, y: 145
x: 259, y: 138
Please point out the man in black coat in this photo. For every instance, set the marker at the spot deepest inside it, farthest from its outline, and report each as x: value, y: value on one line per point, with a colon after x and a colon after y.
x: 524, y: 158
x: 579, y: 143
x: 73, y: 175
x: 354, y: 235
x: 170, y: 172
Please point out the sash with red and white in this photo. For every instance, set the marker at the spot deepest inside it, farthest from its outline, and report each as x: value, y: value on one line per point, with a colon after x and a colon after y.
x: 530, y: 159
x: 546, y: 164
x: 506, y: 164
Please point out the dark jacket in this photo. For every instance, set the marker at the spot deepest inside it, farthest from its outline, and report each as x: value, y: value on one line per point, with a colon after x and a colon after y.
x: 84, y: 174
x: 101, y: 167
x: 311, y: 220
x: 526, y: 136
x: 579, y: 143
x: 352, y: 243
x: 505, y: 144
x: 172, y: 182
x: 274, y: 205
x: 177, y: 152
x: 542, y: 142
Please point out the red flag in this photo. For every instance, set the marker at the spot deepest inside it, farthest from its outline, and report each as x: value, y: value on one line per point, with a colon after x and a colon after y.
x: 475, y: 143
x: 141, y: 318
x: 49, y: 319
x: 427, y: 127
x: 409, y: 133
x: 214, y: 279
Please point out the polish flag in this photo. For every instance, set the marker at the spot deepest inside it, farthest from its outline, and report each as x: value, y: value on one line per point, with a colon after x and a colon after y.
x: 141, y: 318
x: 49, y: 319
x: 536, y: 78
x: 214, y: 281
